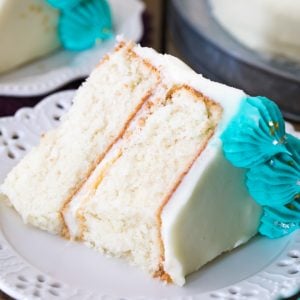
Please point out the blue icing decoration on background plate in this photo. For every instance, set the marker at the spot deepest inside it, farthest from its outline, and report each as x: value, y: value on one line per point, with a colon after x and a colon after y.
x: 63, y: 4
x: 256, y: 140
x: 83, y: 23
x: 256, y: 133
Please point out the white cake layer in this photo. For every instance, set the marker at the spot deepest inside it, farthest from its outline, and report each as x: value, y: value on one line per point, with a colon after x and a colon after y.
x: 268, y: 26
x: 211, y: 210
x: 27, y: 31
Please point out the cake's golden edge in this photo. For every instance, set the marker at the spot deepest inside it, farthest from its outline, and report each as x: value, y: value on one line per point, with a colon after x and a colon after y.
x: 129, y: 45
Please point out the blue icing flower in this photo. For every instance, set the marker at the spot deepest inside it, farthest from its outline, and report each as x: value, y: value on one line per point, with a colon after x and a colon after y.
x: 276, y: 182
x: 256, y: 140
x: 256, y: 134
x: 63, y: 4
x: 83, y: 23
x: 293, y: 146
x: 280, y: 221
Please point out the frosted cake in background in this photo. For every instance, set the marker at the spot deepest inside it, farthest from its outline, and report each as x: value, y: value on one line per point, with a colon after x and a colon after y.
x: 268, y: 26
x: 137, y: 170
x: 30, y: 29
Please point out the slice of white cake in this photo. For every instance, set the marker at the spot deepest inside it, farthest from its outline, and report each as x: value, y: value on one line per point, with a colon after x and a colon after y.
x: 136, y: 169
x: 28, y: 30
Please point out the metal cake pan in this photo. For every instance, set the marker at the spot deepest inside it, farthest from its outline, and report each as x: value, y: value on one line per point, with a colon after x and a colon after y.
x: 210, y: 50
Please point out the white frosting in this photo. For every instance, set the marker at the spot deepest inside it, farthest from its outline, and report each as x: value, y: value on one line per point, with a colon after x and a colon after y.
x: 268, y: 26
x: 27, y: 31
x: 211, y: 211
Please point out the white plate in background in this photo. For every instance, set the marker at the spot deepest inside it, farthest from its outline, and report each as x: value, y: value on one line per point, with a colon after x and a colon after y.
x: 35, y: 264
x: 50, y: 72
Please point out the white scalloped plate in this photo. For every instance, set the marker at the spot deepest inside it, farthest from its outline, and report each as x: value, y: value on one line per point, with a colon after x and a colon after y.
x: 49, y: 73
x: 35, y: 264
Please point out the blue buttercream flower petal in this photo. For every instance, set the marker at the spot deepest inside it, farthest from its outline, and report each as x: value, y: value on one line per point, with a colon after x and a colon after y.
x: 84, y: 25
x: 278, y: 222
x: 271, y: 120
x: 293, y: 146
x: 276, y: 182
x: 63, y: 4
x: 256, y: 134
x: 256, y: 140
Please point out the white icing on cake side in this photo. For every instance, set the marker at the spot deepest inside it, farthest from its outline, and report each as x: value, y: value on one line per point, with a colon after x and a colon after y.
x: 212, y: 197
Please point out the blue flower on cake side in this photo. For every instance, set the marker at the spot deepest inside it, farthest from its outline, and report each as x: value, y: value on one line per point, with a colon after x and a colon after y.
x: 256, y: 134
x: 83, y: 23
x: 280, y: 221
x: 276, y: 185
x: 256, y: 140
x: 276, y: 182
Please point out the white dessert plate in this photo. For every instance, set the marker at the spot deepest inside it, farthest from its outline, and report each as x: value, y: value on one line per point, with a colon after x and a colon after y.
x: 35, y: 264
x: 49, y: 73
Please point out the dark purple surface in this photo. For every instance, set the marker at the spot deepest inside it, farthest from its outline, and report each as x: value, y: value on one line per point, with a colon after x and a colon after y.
x: 9, y: 105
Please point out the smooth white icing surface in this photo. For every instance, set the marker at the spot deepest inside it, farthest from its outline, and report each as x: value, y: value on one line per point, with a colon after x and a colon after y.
x: 211, y: 211
x: 268, y: 26
x: 27, y: 31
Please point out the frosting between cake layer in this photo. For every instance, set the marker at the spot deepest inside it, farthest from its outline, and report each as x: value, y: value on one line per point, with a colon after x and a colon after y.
x: 72, y: 210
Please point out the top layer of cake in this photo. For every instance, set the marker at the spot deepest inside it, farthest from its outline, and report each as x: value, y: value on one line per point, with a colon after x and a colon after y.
x: 268, y: 26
